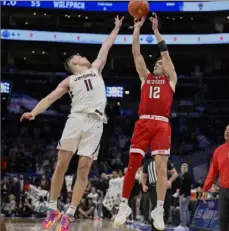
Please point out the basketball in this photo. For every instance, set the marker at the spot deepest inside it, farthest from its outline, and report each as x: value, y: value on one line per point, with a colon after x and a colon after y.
x: 138, y: 8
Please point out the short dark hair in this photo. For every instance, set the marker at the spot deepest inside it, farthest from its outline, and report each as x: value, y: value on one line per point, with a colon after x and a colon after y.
x: 158, y: 58
x: 66, y: 64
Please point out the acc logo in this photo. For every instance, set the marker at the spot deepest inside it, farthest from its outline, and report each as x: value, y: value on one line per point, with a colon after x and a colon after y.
x: 211, y: 204
x: 149, y: 39
x: 5, y: 34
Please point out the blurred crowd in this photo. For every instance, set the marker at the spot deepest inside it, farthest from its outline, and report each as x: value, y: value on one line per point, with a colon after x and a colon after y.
x: 19, y: 200
x: 29, y: 158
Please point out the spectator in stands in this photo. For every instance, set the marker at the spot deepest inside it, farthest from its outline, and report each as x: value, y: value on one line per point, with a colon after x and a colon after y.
x: 22, y: 183
x: 93, y: 195
x: 9, y: 206
x: 25, y: 208
x: 86, y: 208
x: 103, y: 184
x: 185, y: 192
x: 44, y: 183
x: 113, y: 194
x: 40, y: 208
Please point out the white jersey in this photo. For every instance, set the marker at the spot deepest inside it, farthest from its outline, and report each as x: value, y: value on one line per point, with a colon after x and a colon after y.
x: 88, y: 93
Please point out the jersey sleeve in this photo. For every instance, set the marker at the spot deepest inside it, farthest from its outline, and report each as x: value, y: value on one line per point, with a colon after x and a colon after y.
x: 145, y: 167
x: 212, y: 173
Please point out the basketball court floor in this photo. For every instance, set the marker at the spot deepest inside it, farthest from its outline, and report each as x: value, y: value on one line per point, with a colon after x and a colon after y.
x: 34, y: 224
x: 23, y: 224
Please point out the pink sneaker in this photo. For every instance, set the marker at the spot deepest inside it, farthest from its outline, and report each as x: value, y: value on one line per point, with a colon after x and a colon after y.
x: 52, y: 217
x: 65, y: 223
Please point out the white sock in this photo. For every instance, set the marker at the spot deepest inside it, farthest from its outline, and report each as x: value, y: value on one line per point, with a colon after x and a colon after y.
x: 71, y: 210
x: 52, y: 205
x: 124, y: 200
x: 160, y: 204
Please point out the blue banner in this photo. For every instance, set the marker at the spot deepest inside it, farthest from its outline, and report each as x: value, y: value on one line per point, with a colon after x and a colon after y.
x: 122, y: 39
x: 114, y: 6
x: 206, y: 215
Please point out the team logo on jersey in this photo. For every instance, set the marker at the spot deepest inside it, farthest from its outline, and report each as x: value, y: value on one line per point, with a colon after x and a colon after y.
x: 155, y: 81
x: 91, y: 74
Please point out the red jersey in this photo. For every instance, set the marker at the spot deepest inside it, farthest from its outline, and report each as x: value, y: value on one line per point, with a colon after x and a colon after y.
x: 156, y: 96
x: 220, y: 164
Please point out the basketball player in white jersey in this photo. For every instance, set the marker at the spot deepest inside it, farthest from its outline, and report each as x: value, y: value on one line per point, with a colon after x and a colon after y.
x: 83, y: 129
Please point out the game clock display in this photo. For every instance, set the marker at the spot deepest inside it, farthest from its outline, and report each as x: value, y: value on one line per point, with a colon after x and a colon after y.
x: 120, y: 6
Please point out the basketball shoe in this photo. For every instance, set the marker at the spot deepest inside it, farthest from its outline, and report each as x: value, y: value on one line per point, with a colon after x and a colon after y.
x: 123, y: 213
x: 158, y: 218
x: 65, y: 223
x: 52, y: 217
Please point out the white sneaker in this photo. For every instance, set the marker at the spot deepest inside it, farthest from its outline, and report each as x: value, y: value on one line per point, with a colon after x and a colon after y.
x: 180, y: 228
x: 158, y: 218
x: 123, y: 213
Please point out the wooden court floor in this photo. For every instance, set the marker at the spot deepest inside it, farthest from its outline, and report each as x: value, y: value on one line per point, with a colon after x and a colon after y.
x: 23, y: 224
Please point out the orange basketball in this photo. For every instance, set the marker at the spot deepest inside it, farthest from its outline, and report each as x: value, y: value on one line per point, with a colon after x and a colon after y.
x: 138, y: 8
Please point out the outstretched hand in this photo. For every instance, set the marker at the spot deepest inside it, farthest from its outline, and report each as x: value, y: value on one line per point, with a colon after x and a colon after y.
x: 154, y: 21
x: 28, y: 116
x: 138, y: 23
x: 118, y: 21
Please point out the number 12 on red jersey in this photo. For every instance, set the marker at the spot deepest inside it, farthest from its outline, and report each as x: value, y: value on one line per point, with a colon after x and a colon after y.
x: 154, y: 92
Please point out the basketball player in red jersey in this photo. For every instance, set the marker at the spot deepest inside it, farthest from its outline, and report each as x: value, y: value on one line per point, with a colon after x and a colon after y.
x: 152, y: 130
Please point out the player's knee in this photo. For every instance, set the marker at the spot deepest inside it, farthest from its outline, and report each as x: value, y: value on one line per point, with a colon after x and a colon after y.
x: 161, y: 164
x: 64, y: 158
x: 61, y: 166
x: 135, y: 161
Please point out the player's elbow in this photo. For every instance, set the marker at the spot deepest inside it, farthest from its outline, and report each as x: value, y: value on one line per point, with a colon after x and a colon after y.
x: 107, y: 45
x: 136, y: 53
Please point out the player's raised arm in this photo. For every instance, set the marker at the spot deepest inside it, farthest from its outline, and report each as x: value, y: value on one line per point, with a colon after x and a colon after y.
x: 101, y: 59
x: 46, y: 102
x: 167, y: 62
x: 138, y: 58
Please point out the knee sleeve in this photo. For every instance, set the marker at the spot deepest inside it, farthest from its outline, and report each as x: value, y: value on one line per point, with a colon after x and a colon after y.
x: 135, y: 161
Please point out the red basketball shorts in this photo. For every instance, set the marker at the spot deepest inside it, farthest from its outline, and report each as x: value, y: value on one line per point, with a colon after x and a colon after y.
x: 151, y: 133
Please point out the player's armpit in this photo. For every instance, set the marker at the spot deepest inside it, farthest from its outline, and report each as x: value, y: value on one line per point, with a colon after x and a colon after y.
x: 45, y: 103
x: 141, y: 66
x: 169, y: 68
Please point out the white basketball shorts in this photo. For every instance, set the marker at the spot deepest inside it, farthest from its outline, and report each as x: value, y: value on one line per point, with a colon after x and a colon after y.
x: 82, y: 133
